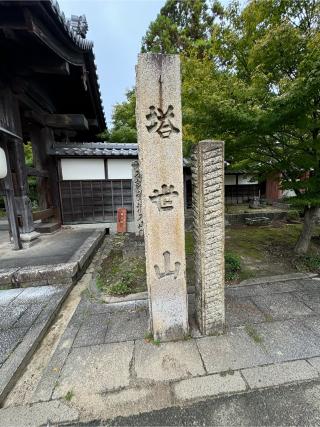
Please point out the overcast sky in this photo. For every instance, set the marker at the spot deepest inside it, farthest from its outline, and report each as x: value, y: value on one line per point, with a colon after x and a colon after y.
x: 116, y: 27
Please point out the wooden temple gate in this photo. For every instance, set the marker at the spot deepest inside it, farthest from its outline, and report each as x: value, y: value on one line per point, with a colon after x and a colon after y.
x: 48, y: 92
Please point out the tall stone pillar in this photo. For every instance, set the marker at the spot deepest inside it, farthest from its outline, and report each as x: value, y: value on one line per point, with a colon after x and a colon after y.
x: 208, y: 218
x: 159, y: 126
x: 137, y: 198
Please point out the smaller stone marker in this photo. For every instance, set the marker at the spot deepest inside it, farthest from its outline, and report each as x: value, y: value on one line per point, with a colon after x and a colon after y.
x: 208, y: 219
x: 159, y: 127
x: 122, y: 220
x: 137, y: 198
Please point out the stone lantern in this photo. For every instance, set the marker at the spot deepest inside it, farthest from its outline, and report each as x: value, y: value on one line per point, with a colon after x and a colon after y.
x: 3, y: 164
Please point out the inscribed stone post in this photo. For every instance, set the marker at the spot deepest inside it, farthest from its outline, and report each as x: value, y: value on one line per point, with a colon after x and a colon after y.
x: 137, y: 198
x: 159, y: 126
x: 208, y: 218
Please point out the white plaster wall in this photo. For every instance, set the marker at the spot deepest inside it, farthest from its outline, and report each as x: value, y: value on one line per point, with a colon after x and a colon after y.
x: 120, y: 168
x: 245, y: 180
x: 230, y: 180
x: 82, y: 169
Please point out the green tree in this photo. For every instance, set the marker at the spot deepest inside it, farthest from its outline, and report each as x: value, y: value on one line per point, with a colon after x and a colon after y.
x: 181, y: 26
x: 261, y: 94
x: 123, y: 121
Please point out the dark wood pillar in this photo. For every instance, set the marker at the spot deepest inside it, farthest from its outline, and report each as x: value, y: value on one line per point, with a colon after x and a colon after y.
x: 12, y: 122
x: 42, y: 139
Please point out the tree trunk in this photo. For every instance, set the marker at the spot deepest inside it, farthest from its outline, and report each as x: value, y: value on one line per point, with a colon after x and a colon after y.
x: 310, y: 215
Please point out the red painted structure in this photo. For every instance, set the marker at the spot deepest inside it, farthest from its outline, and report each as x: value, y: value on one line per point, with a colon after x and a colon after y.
x: 122, y: 220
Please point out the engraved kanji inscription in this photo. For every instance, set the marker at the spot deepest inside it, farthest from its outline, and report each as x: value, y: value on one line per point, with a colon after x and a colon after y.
x: 164, y: 199
x: 167, y: 271
x: 161, y: 122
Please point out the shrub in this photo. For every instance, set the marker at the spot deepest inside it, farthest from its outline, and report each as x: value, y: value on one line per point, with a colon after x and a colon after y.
x: 232, y: 266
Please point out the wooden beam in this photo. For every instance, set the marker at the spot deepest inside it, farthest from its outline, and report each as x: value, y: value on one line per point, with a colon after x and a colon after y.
x: 61, y: 68
x: 66, y: 121
x: 44, y: 214
x: 35, y: 172
x: 93, y: 123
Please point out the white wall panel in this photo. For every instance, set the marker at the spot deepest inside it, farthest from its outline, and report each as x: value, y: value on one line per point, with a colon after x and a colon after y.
x: 120, y: 168
x: 82, y: 169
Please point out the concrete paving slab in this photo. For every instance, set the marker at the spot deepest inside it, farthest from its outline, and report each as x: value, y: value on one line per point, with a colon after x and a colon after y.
x: 47, y: 413
x: 315, y: 362
x: 273, y: 375
x: 51, y: 249
x: 211, y: 385
x: 93, y: 331
x: 310, y: 285
x: 30, y: 315
x: 36, y: 295
x: 52, y: 371
x: 125, y: 326
x: 167, y: 361
x: 10, y: 315
x: 8, y: 295
x: 240, y: 311
x: 20, y: 343
x: 244, y: 291
x: 234, y: 350
x: 128, y: 401
x: 95, y: 369
x: 288, y: 340
x: 281, y: 306
x: 9, y: 339
x: 281, y: 287
x: 312, y: 323
x: 311, y: 298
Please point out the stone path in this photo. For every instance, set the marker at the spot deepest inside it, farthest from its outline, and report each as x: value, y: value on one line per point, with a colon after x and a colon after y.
x: 54, y: 259
x: 104, y: 367
x: 25, y: 316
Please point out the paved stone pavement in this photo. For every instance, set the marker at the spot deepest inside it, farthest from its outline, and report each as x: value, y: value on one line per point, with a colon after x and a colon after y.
x: 105, y: 367
x: 25, y: 315
x: 49, y: 249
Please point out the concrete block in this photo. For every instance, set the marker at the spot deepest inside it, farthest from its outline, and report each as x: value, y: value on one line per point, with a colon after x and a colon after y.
x: 96, y: 368
x: 315, y: 362
x: 273, y: 375
x: 47, y: 413
x: 281, y: 306
x: 167, y: 361
x: 233, y: 351
x: 211, y: 385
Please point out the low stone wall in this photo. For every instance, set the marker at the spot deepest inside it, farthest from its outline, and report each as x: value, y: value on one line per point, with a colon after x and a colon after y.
x: 233, y: 219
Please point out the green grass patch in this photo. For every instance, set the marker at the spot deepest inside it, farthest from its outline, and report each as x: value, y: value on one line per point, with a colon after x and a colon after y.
x: 253, y: 334
x: 120, y: 275
x: 68, y: 397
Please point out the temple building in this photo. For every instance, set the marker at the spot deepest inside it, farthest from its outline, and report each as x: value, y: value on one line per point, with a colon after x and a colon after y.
x: 49, y: 92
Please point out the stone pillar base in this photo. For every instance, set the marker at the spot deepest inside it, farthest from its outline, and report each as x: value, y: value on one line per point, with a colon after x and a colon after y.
x: 29, y: 239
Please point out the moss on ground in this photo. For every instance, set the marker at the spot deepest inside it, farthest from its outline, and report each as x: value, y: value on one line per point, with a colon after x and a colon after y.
x: 250, y: 252
x: 120, y: 274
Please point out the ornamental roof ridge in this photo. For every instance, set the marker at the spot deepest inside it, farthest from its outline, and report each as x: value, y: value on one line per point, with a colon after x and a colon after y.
x: 84, y: 44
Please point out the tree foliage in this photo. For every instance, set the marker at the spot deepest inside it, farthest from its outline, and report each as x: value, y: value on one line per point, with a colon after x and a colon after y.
x: 250, y: 76
x: 256, y: 85
x: 123, y: 128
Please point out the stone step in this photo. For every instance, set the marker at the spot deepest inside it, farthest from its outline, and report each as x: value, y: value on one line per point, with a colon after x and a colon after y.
x: 4, y: 225
x: 47, y: 227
